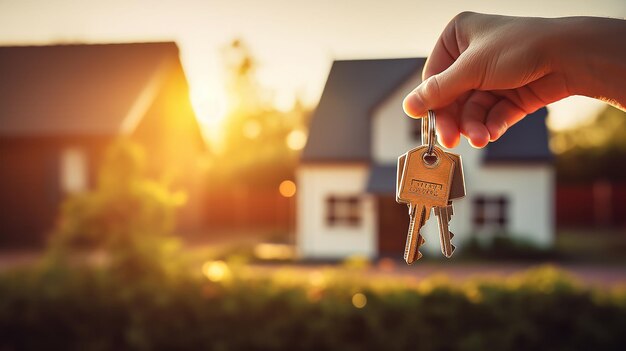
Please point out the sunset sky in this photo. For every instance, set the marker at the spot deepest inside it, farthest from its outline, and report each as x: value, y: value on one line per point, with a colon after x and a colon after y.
x: 294, y: 41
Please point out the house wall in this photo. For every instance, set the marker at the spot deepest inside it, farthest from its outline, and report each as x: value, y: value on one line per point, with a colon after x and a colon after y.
x: 316, y: 239
x: 392, y: 130
x: 31, y: 184
x: 528, y: 187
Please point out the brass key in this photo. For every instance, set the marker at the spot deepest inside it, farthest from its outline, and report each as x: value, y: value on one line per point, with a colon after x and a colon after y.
x: 444, y: 213
x: 425, y: 183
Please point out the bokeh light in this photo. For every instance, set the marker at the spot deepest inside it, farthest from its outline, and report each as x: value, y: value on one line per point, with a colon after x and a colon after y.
x: 359, y: 300
x: 296, y: 140
x: 216, y: 271
x: 287, y: 188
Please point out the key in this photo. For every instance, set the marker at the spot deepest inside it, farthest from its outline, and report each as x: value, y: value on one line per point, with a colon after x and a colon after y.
x: 425, y: 183
x: 457, y: 189
x: 444, y: 213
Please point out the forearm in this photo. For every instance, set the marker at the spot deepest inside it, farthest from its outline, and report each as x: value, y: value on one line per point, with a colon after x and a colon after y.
x: 593, y: 57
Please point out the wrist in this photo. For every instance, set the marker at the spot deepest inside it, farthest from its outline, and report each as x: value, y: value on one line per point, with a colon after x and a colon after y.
x: 588, y: 53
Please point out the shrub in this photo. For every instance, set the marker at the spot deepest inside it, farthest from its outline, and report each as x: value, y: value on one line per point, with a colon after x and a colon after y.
x: 92, y: 309
x: 127, y: 217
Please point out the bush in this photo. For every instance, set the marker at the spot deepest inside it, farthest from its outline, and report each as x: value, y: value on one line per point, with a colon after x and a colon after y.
x: 506, y: 247
x: 128, y: 217
x: 231, y: 309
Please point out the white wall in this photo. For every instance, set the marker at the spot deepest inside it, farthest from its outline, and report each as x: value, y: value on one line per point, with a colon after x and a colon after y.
x: 529, y: 188
x: 391, y: 128
x: 315, y: 239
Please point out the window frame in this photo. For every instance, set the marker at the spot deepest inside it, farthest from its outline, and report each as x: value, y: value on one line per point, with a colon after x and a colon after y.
x: 343, y: 210
x: 490, y: 212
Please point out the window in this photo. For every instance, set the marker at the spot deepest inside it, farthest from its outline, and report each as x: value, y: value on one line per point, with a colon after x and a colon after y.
x: 490, y: 212
x: 73, y: 170
x: 343, y: 210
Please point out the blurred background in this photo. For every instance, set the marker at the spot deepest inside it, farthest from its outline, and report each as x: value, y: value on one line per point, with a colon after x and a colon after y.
x: 221, y: 175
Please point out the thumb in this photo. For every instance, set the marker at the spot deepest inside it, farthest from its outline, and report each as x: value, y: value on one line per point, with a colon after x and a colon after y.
x: 441, y: 89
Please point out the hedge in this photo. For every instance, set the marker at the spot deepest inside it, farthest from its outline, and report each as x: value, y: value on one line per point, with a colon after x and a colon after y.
x: 85, y: 308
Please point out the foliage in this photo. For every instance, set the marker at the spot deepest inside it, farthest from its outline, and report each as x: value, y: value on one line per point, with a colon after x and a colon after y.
x: 128, y: 217
x: 596, y: 150
x: 254, y: 151
x: 504, y: 246
x: 235, y: 309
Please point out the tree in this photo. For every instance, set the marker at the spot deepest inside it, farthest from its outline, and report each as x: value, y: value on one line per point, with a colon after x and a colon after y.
x: 593, y: 151
x: 255, y: 150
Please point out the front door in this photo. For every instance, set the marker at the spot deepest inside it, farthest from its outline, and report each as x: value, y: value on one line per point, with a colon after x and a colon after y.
x: 393, y: 224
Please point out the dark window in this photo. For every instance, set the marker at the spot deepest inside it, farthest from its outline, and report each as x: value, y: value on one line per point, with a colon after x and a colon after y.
x: 490, y: 212
x: 343, y: 210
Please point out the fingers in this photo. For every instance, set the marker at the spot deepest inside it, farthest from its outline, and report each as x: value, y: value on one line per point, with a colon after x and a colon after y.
x: 443, y: 88
x: 473, y: 116
x: 448, y: 133
x: 517, y: 103
x: 503, y: 115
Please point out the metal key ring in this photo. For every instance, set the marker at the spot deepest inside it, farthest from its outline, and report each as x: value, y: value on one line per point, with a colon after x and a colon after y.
x: 429, y: 133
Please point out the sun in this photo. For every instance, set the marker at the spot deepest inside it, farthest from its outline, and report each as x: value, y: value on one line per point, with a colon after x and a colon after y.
x: 210, y: 106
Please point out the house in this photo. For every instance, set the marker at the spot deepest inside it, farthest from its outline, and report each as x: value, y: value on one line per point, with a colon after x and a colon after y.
x: 347, y: 175
x: 62, y: 105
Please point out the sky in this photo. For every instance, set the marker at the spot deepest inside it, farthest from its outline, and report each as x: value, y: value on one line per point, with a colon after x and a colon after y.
x: 294, y: 41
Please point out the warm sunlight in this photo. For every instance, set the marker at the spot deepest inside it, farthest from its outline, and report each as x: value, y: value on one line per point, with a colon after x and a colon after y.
x: 210, y: 105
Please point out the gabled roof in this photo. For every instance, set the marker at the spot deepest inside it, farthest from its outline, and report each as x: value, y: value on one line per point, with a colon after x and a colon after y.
x: 75, y: 89
x: 340, y: 128
x: 526, y: 141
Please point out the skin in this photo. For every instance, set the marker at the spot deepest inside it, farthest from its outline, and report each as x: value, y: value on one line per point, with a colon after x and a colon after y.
x: 487, y: 72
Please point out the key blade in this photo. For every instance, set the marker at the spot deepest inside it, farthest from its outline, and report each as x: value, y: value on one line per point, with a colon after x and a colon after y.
x: 445, y: 236
x: 414, y: 239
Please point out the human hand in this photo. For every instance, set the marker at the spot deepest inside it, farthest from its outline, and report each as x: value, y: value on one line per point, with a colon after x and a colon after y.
x: 487, y: 72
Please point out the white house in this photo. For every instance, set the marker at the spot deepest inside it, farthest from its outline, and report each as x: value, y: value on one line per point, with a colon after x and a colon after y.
x: 347, y: 175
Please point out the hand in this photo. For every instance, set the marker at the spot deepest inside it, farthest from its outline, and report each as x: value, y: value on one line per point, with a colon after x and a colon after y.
x: 487, y: 72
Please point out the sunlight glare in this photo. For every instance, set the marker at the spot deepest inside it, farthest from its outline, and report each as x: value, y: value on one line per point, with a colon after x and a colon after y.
x: 573, y: 112
x: 210, y: 105
x: 252, y: 129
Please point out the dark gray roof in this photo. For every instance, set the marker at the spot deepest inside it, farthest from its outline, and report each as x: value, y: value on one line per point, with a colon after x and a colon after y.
x: 74, y: 89
x: 340, y: 126
x: 382, y: 179
x: 526, y: 141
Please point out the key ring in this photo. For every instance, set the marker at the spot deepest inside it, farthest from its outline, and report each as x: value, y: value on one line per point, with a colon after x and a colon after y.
x: 429, y: 133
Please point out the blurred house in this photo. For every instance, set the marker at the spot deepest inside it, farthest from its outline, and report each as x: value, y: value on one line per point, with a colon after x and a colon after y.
x: 62, y: 105
x: 346, y: 179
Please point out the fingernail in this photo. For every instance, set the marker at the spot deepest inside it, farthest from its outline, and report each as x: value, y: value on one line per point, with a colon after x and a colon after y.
x: 413, y: 105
